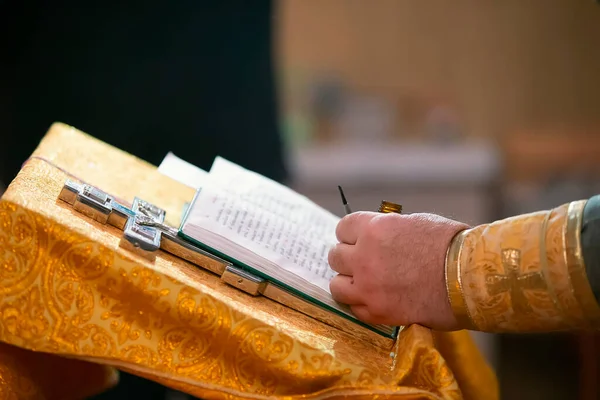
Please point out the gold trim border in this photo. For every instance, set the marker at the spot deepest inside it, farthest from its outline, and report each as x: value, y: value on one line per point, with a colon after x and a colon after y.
x: 545, y: 269
x: 454, y: 281
x: 577, y: 272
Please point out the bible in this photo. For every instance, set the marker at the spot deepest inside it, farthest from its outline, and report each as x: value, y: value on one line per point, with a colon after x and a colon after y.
x: 267, y: 230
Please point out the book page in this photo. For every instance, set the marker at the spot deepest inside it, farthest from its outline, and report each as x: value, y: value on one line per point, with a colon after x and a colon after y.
x: 267, y: 218
x: 182, y: 171
x: 270, y: 195
x: 298, y: 248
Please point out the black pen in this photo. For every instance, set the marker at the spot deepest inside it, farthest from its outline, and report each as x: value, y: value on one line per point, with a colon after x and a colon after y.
x: 346, y: 206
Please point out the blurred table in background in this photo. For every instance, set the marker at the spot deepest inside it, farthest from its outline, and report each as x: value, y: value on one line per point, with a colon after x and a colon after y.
x: 545, y: 168
x: 459, y: 181
x: 455, y: 180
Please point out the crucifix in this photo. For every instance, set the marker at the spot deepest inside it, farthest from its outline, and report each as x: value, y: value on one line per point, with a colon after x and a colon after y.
x: 514, y: 282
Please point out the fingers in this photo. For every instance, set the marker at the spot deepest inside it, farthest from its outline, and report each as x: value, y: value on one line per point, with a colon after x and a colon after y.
x: 364, y: 313
x: 349, y: 227
x: 341, y: 259
x: 361, y: 312
x: 343, y: 290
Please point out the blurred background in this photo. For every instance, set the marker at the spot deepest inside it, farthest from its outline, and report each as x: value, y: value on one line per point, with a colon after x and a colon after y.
x: 473, y: 110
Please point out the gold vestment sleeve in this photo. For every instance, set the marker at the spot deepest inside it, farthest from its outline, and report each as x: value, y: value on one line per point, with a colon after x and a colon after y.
x: 522, y: 274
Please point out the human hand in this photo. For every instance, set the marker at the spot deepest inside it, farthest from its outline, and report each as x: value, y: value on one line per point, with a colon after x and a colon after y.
x: 392, y: 268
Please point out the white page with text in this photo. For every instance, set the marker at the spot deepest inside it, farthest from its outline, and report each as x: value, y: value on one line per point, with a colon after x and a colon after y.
x: 294, y: 247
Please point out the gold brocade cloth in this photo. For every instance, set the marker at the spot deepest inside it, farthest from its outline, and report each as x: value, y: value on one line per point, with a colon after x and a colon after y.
x: 74, y: 307
x: 523, y: 274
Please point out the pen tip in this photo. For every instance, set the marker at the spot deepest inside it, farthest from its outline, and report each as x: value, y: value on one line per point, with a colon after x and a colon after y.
x: 342, y: 194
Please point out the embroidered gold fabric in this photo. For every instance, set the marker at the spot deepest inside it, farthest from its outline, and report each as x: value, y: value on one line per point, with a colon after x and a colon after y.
x: 73, y: 301
x: 522, y: 274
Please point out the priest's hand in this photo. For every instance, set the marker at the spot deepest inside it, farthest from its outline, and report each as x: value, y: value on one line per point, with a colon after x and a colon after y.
x: 392, y: 268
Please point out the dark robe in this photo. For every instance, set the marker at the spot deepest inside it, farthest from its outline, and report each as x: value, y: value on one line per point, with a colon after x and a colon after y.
x: 193, y: 77
x: 590, y: 243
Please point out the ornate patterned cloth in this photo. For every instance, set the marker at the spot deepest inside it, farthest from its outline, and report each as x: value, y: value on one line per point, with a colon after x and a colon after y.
x: 74, y: 305
x: 523, y: 274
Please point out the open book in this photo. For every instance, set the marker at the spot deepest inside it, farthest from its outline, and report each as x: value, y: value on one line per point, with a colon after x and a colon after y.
x: 270, y: 231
